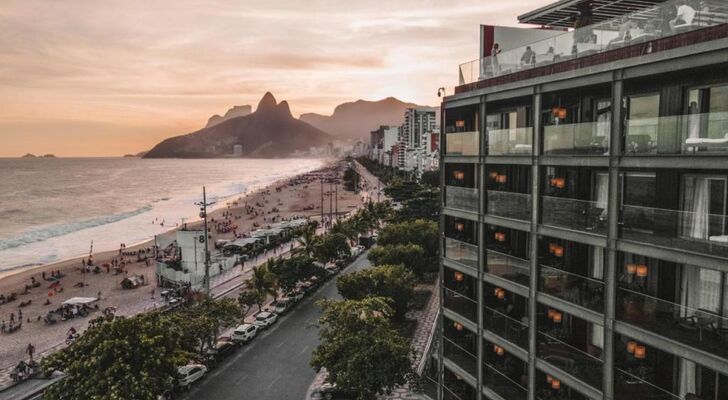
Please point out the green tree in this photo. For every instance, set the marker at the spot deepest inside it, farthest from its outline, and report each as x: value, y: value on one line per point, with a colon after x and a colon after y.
x: 263, y: 281
x: 388, y: 281
x: 426, y: 205
x: 411, y: 256
x: 420, y: 232
x: 290, y: 271
x: 307, y: 242
x: 400, y: 191
x: 431, y: 178
x: 331, y: 247
x: 248, y: 298
x: 361, y: 349
x: 201, y: 323
x: 119, y: 358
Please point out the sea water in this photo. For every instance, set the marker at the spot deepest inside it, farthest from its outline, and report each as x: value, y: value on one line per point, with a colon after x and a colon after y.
x: 51, y: 209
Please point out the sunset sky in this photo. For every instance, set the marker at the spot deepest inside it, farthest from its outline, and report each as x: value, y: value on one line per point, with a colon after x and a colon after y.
x: 105, y: 78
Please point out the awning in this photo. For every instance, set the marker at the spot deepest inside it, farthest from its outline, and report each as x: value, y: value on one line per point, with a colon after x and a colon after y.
x: 562, y: 12
x: 77, y: 301
x: 241, y: 243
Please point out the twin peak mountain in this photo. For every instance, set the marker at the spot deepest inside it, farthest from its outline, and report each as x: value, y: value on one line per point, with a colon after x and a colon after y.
x: 272, y: 131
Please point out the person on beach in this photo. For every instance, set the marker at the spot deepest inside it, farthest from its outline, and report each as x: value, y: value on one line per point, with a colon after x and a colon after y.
x: 30, y: 350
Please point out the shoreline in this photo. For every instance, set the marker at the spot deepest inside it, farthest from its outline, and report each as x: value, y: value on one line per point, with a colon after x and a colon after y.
x: 105, y: 253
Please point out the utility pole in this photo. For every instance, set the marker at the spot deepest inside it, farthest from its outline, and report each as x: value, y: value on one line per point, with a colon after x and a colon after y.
x: 322, y: 203
x: 336, y: 196
x: 378, y: 188
x: 331, y: 201
x: 203, y: 215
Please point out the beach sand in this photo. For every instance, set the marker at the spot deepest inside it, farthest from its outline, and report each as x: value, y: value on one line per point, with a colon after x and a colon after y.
x: 290, y: 200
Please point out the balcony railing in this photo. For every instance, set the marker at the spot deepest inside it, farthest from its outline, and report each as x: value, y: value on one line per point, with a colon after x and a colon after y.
x: 696, y: 328
x: 680, y: 134
x: 508, y: 328
x: 462, y: 144
x: 632, y: 385
x: 460, y: 304
x: 570, y: 359
x: 583, y: 215
x: 509, y: 205
x: 465, y: 359
x: 508, y: 267
x: 461, y: 252
x: 639, y: 27
x: 517, y: 141
x: 696, y: 232
x: 588, y: 138
x: 461, y: 198
x: 506, y: 387
x: 574, y: 288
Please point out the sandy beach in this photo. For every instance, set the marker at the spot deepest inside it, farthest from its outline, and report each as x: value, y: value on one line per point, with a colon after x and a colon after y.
x: 292, y: 197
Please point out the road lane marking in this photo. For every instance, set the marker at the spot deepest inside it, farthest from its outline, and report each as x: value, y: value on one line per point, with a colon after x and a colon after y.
x: 242, y: 378
x: 304, y: 350
x: 278, y: 346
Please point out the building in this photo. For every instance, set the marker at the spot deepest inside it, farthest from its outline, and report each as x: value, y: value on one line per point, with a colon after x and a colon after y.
x: 238, y: 150
x: 585, y: 220
x: 181, y: 260
x: 417, y: 122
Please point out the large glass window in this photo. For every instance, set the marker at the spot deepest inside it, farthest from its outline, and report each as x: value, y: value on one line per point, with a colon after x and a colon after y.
x: 643, y: 113
x: 704, y: 206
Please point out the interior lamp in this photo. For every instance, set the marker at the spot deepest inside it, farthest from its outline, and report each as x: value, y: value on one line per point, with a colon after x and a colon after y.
x: 501, y: 179
x: 640, y: 352
x: 458, y: 326
x: 459, y: 226
x: 631, y: 268
x: 458, y: 276
x: 642, y: 270
x: 631, y: 346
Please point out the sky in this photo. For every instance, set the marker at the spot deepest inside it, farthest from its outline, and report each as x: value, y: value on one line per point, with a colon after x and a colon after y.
x: 111, y: 77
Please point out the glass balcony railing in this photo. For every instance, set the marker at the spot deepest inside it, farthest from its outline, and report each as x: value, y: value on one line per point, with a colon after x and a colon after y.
x: 464, y: 359
x: 574, y: 288
x: 518, y: 141
x: 588, y: 138
x: 632, y: 385
x: 696, y: 232
x: 509, y: 205
x: 631, y: 29
x: 508, y: 267
x: 508, y: 328
x: 461, y: 198
x: 463, y: 144
x: 696, y: 328
x: 461, y: 252
x: 506, y: 387
x: 680, y: 134
x: 460, y: 304
x: 583, y: 215
x: 429, y: 387
x: 568, y: 358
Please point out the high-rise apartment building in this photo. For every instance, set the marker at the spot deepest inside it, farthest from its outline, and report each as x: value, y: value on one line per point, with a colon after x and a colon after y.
x: 417, y: 123
x: 585, y: 209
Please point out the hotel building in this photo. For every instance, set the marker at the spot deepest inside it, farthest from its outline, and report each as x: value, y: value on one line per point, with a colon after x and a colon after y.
x: 585, y: 202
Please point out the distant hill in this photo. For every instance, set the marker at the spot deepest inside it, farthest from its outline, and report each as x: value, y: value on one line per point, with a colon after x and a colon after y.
x: 271, y: 131
x: 356, y: 119
x: 29, y: 155
x: 236, y: 111
x: 139, y: 154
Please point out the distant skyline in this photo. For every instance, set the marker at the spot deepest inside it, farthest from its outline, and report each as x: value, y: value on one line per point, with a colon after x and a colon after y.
x: 105, y: 78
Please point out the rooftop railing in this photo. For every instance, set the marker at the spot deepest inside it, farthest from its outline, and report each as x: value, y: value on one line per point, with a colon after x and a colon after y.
x: 639, y: 27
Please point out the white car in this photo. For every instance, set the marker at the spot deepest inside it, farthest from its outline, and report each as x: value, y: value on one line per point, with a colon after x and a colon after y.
x: 295, y: 295
x: 265, y: 319
x: 190, y: 374
x: 245, y: 333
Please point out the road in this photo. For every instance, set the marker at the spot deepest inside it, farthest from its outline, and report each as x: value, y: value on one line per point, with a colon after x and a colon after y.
x: 275, y: 366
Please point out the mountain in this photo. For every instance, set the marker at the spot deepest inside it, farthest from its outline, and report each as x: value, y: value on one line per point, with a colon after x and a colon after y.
x: 271, y: 131
x: 236, y: 111
x: 356, y: 119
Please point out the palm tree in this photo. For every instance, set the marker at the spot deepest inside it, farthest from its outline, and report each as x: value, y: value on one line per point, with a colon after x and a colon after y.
x: 307, y: 242
x: 263, y: 280
x: 346, y: 228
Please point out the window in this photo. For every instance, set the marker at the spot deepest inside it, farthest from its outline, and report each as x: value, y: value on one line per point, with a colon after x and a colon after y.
x: 642, y: 123
x: 707, y: 111
x: 704, y: 207
x: 710, y: 288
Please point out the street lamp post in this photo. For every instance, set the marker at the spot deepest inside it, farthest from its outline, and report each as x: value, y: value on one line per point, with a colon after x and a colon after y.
x: 203, y: 213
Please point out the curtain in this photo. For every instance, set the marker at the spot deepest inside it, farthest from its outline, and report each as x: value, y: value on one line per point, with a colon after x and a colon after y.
x: 689, y: 290
x: 597, y: 336
x: 604, y: 118
x: 696, y: 206
x: 701, y: 289
x: 687, y: 377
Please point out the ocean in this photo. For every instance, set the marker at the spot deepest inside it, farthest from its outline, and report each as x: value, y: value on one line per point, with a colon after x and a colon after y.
x: 52, y: 208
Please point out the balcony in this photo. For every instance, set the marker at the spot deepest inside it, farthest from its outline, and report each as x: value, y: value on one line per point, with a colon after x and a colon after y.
x: 509, y: 205
x: 588, y: 138
x: 462, y: 144
x: 460, y: 304
x: 508, y: 267
x: 464, y: 359
x: 461, y: 198
x: 695, y: 232
x: 595, y: 44
x: 553, y: 349
x: 694, y: 134
x: 517, y: 141
x: 696, y: 328
x: 508, y: 328
x: 630, y: 385
x: 582, y: 215
x: 461, y: 252
x: 574, y: 288
x: 504, y: 386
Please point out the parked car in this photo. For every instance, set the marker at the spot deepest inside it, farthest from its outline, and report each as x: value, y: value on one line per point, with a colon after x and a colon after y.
x: 245, y: 333
x: 222, y: 349
x: 280, y: 306
x: 190, y: 374
x: 331, y: 269
x: 264, y: 319
x: 332, y: 392
x: 295, y: 295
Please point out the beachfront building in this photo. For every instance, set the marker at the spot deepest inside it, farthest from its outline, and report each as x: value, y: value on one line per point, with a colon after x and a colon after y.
x: 585, y: 208
x: 181, y: 260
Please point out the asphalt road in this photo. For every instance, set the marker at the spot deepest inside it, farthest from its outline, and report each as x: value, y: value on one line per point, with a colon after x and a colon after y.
x: 275, y: 365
